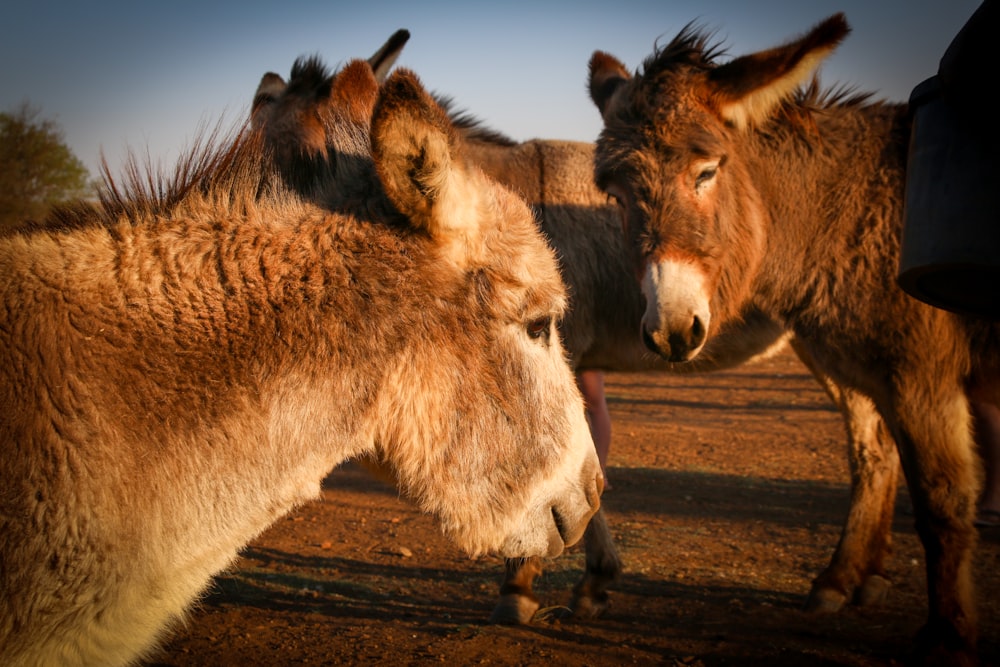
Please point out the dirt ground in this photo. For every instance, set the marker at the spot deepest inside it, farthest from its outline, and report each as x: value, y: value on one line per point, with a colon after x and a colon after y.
x: 729, y: 490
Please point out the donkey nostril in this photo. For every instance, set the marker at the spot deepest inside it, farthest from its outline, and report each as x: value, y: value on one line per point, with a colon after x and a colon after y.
x: 560, y: 526
x: 697, y: 332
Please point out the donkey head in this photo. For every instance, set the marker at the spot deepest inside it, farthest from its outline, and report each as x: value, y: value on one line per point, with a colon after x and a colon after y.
x: 317, y: 122
x: 351, y: 140
x: 489, y: 426
x: 674, y: 154
x: 270, y: 99
x: 354, y: 141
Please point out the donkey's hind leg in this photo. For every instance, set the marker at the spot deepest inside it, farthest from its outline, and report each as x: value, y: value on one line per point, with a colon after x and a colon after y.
x: 857, y: 572
x: 933, y: 429
x: 603, y: 565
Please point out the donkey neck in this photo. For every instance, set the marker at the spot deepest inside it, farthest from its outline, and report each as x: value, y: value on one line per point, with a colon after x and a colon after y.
x: 288, y: 268
x: 832, y: 199
x: 189, y: 333
x: 204, y: 306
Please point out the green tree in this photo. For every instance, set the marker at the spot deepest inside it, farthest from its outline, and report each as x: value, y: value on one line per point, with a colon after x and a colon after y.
x: 37, y: 169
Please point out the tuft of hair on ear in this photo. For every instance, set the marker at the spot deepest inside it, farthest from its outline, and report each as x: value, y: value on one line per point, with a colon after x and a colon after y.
x: 748, y: 90
x: 412, y: 143
x: 418, y: 157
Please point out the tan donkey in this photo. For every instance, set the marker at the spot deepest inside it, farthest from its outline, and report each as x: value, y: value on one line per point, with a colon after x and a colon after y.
x: 179, y: 370
x: 739, y: 188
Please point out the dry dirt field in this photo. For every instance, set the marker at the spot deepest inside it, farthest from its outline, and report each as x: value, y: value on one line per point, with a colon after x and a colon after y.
x: 728, y: 494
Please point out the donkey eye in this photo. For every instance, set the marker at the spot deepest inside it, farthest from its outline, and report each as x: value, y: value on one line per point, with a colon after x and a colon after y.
x: 616, y: 196
x: 705, y: 176
x: 262, y: 100
x: 540, y: 328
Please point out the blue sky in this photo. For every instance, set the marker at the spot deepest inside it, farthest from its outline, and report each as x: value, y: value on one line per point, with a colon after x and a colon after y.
x: 148, y: 75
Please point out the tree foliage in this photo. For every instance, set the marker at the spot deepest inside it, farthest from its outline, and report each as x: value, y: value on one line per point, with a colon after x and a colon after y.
x: 37, y: 169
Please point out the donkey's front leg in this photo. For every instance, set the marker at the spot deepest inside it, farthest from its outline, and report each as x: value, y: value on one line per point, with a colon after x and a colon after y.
x: 603, y: 565
x: 518, y: 604
x: 856, y: 572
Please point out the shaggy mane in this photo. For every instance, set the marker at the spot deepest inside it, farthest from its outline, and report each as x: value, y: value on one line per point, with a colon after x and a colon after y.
x: 692, y: 47
x: 816, y: 98
x: 471, y: 127
x: 310, y: 77
x: 231, y: 166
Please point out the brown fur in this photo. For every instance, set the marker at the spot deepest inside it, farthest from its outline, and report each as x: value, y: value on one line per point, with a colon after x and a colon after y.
x: 599, y: 331
x: 180, y: 368
x: 803, y: 222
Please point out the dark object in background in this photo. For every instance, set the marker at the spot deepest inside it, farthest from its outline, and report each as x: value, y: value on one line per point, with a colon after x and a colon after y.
x: 950, y: 254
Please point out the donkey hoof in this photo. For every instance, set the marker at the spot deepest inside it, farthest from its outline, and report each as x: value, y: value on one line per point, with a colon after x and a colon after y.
x: 938, y: 645
x: 589, y: 607
x: 825, y: 601
x: 514, y: 610
x: 873, y: 591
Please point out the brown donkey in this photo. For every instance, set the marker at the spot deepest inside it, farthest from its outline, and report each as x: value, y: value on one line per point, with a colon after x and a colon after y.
x: 600, y: 331
x: 177, y: 371
x: 305, y: 119
x: 739, y: 188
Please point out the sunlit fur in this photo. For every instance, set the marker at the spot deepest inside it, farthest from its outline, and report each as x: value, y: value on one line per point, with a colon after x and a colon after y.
x: 601, y: 330
x: 185, y: 363
x: 803, y: 221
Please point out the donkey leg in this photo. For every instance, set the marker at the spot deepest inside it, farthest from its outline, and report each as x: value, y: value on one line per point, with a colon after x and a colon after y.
x: 939, y: 461
x: 603, y: 565
x: 518, y: 604
x: 857, y: 571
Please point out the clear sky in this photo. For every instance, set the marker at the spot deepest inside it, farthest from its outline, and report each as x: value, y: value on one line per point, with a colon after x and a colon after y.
x: 148, y: 75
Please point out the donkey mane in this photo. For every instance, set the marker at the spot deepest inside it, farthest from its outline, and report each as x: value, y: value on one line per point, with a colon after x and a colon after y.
x: 692, y: 47
x: 815, y: 97
x: 310, y: 73
x: 232, y: 169
x: 472, y: 128
x: 232, y: 166
x: 797, y: 115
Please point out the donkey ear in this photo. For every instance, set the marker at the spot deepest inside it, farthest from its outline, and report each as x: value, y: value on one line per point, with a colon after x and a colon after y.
x: 749, y: 89
x: 416, y: 153
x: 354, y: 91
x: 607, y: 75
x: 269, y: 89
x: 383, y: 59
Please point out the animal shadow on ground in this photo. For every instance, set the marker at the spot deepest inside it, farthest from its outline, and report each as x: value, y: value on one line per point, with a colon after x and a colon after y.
x: 729, y: 491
